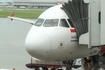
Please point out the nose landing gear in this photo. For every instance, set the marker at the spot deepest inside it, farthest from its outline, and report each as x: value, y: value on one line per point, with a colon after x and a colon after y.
x: 68, y: 64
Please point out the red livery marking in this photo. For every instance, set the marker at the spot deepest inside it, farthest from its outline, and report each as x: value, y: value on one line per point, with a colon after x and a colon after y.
x: 73, y: 30
x: 12, y: 15
x: 102, y: 50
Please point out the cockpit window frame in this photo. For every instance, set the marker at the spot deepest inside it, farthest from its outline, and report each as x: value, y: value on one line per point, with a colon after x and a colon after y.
x: 66, y: 22
x: 58, y: 25
x: 51, y: 26
x: 70, y: 23
x: 41, y: 23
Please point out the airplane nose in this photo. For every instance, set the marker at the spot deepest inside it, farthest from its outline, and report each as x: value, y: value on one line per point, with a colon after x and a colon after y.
x: 37, y: 44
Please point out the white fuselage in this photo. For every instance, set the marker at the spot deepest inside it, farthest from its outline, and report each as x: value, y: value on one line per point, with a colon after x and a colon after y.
x: 47, y: 41
x: 55, y: 43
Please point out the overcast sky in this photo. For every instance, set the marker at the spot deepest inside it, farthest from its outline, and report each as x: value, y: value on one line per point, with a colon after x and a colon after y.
x: 31, y: 0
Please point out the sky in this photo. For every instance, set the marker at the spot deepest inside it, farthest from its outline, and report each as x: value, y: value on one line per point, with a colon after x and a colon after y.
x: 31, y: 0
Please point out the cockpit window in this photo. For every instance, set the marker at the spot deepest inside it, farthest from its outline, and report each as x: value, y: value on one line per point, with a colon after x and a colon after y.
x: 70, y: 23
x: 63, y: 23
x: 39, y: 22
x: 50, y: 22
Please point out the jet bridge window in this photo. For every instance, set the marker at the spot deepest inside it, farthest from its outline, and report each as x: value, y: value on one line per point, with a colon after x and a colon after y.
x: 39, y: 22
x: 50, y: 22
x: 63, y: 23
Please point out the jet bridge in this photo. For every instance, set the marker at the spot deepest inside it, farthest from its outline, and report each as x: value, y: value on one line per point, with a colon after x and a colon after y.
x: 87, y: 17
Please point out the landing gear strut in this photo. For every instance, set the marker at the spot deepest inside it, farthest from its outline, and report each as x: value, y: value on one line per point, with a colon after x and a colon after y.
x: 69, y: 64
x: 95, y: 62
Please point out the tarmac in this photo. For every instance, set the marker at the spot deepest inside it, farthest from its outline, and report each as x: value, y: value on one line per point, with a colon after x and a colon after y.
x: 12, y: 49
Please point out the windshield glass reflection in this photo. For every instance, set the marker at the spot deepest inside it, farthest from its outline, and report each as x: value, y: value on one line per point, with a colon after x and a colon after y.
x: 50, y: 22
x: 39, y: 22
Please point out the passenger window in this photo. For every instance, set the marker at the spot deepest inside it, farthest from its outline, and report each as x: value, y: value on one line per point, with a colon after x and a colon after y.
x: 63, y: 23
x: 50, y: 22
x: 70, y: 23
x: 39, y: 22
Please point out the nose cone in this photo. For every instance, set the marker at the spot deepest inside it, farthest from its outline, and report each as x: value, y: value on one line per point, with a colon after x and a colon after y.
x: 37, y: 44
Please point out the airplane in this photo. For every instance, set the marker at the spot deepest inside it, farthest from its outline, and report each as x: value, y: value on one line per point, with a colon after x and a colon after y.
x: 53, y: 38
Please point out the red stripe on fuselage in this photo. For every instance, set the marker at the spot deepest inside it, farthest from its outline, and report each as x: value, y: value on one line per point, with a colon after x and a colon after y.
x: 72, y: 30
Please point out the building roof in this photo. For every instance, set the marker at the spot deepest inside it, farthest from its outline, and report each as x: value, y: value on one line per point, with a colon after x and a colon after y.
x: 40, y: 0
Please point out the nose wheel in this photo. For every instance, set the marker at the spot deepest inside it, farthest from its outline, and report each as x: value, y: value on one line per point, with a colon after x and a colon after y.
x: 44, y: 68
x: 36, y: 68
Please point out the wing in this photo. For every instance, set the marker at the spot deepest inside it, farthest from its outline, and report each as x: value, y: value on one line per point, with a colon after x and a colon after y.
x: 21, y: 19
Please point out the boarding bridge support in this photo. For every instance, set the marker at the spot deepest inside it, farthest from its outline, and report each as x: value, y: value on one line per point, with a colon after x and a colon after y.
x: 96, y: 24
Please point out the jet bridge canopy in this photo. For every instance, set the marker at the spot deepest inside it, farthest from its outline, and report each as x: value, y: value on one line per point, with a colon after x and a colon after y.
x: 87, y: 17
x: 77, y: 11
